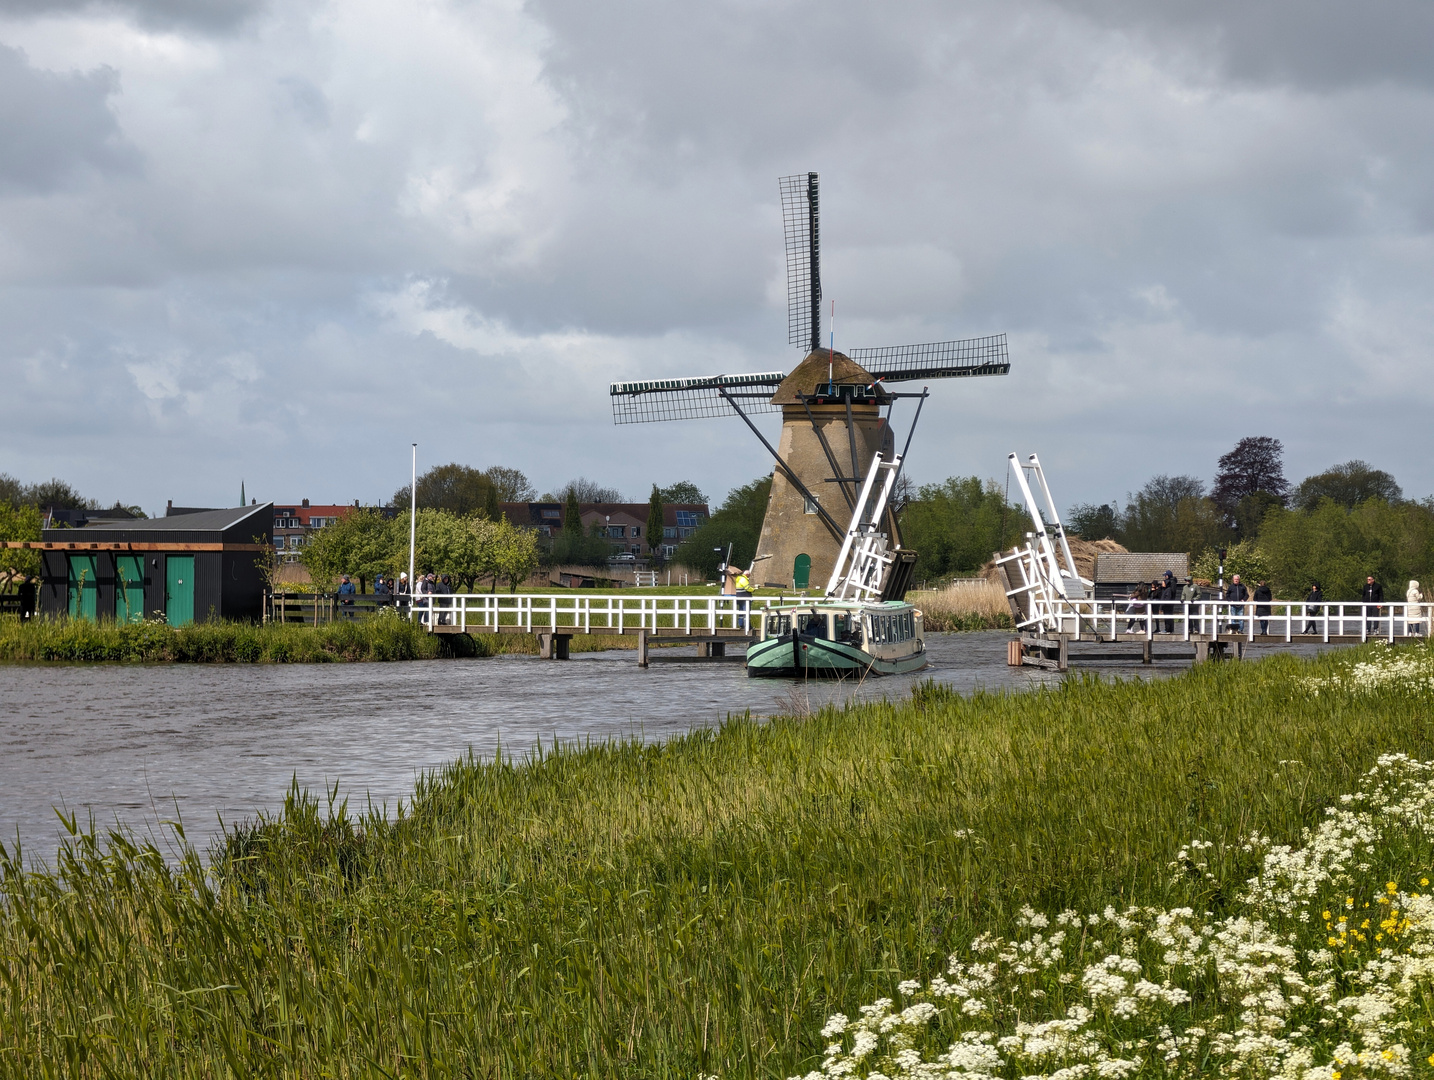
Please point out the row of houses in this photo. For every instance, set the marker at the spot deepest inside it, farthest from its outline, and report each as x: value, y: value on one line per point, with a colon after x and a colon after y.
x: 198, y: 562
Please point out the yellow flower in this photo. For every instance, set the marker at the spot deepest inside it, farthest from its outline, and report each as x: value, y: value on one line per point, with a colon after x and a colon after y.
x: 1390, y: 887
x: 1423, y: 882
x: 1327, y: 916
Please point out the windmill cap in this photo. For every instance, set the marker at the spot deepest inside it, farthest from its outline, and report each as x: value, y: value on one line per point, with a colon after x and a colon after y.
x: 812, y: 372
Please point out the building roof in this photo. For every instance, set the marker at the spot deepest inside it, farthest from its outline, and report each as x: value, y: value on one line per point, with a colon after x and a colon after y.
x: 812, y: 372
x: 1130, y: 567
x: 179, y: 528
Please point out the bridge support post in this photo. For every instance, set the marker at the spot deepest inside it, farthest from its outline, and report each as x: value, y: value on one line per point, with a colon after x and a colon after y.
x: 642, y: 648
x: 1202, y: 652
x: 553, y: 646
x: 1145, y: 651
x: 1063, y: 654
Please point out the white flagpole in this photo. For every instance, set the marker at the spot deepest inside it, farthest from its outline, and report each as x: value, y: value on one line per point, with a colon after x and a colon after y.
x: 412, y: 520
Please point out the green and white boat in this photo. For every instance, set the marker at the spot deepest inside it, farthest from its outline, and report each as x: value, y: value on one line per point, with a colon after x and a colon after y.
x: 862, y: 626
x: 836, y: 639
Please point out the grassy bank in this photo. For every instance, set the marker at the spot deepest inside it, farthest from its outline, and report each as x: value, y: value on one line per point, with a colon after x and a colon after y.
x: 699, y: 907
x: 965, y: 604
x: 378, y: 639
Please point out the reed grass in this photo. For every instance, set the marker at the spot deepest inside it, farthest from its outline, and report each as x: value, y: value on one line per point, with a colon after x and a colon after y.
x: 698, y: 907
x: 964, y: 604
x: 224, y: 641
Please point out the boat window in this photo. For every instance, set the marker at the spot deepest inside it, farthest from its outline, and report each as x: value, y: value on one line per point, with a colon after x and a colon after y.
x: 841, y: 627
x: 777, y: 625
x: 812, y: 625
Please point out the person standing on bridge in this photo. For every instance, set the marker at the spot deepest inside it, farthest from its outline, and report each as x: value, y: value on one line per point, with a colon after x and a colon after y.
x: 1262, y: 610
x: 1314, y: 607
x: 1414, y: 611
x: 1373, y: 597
x: 1190, y: 596
x: 1237, y: 592
x: 742, y: 589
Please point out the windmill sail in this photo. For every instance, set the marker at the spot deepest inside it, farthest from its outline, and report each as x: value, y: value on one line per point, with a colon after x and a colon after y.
x: 937, y: 359
x: 691, y: 399
x: 801, y: 228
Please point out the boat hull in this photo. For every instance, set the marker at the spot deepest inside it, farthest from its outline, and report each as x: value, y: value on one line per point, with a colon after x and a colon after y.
x: 816, y: 658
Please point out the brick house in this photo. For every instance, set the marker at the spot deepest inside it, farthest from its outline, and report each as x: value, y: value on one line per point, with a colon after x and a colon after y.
x: 625, y: 524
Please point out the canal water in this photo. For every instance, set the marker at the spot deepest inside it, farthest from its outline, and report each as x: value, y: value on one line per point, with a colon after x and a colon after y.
x: 142, y: 744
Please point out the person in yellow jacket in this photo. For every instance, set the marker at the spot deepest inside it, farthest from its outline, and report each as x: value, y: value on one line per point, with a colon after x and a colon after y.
x: 738, y: 585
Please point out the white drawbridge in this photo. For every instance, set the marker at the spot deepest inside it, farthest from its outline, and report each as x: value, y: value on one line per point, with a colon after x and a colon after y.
x: 1041, y: 576
x: 863, y: 563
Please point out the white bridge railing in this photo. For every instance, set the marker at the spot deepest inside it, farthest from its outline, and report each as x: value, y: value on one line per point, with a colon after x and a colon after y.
x: 1110, y: 619
x: 581, y: 614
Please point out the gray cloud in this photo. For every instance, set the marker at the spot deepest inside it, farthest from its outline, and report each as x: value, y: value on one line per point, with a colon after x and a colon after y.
x: 460, y: 221
x: 55, y: 126
x: 207, y: 16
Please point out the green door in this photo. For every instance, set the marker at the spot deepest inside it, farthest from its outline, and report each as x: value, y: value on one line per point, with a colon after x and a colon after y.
x: 84, y: 587
x: 129, y: 588
x: 179, y: 589
x: 801, y: 571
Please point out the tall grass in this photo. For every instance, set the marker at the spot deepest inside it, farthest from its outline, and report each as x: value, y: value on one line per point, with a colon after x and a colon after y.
x: 964, y: 604
x: 642, y: 911
x: 222, y: 641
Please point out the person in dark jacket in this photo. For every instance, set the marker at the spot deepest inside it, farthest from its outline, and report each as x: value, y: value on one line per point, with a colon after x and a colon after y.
x: 1315, y: 598
x: 1373, y: 597
x: 1236, y: 593
x: 346, y: 592
x: 1263, y: 597
x: 1169, y: 592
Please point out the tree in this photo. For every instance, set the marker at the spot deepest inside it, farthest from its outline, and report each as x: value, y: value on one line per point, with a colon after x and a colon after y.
x: 360, y: 543
x: 586, y: 491
x: 654, y: 520
x: 955, y: 525
x: 19, y: 523
x: 738, y: 521
x: 1091, y: 522
x: 1243, y: 557
x: 459, y: 489
x: 1254, y: 465
x: 684, y: 491
x: 11, y: 490
x: 574, y: 545
x: 55, y: 492
x: 1339, y: 547
x: 1171, y: 513
x: 511, y: 484
x: 1348, y: 485
x: 516, y: 551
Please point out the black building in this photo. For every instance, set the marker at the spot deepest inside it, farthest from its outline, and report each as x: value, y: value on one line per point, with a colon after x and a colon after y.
x: 179, y: 568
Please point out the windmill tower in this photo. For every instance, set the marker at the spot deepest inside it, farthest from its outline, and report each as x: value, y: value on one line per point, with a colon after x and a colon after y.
x: 831, y: 404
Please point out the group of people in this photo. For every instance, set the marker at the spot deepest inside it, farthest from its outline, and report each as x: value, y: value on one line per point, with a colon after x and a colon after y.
x: 1165, y: 596
x: 401, y: 589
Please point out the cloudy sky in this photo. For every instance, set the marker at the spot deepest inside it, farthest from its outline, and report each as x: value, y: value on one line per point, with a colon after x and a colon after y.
x: 278, y: 242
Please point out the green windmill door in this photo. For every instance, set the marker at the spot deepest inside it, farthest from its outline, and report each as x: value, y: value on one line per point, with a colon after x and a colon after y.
x: 179, y: 589
x: 801, y: 571
x: 129, y: 588
x: 84, y: 591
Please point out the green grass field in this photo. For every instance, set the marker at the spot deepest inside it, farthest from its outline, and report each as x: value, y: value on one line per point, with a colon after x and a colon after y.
x: 696, y: 908
x: 220, y: 641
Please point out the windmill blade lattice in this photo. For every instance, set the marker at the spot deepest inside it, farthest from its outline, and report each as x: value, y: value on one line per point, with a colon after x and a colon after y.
x: 692, y: 399
x: 937, y: 359
x: 802, y: 230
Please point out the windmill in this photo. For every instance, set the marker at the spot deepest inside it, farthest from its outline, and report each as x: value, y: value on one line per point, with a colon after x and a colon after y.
x: 831, y: 405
